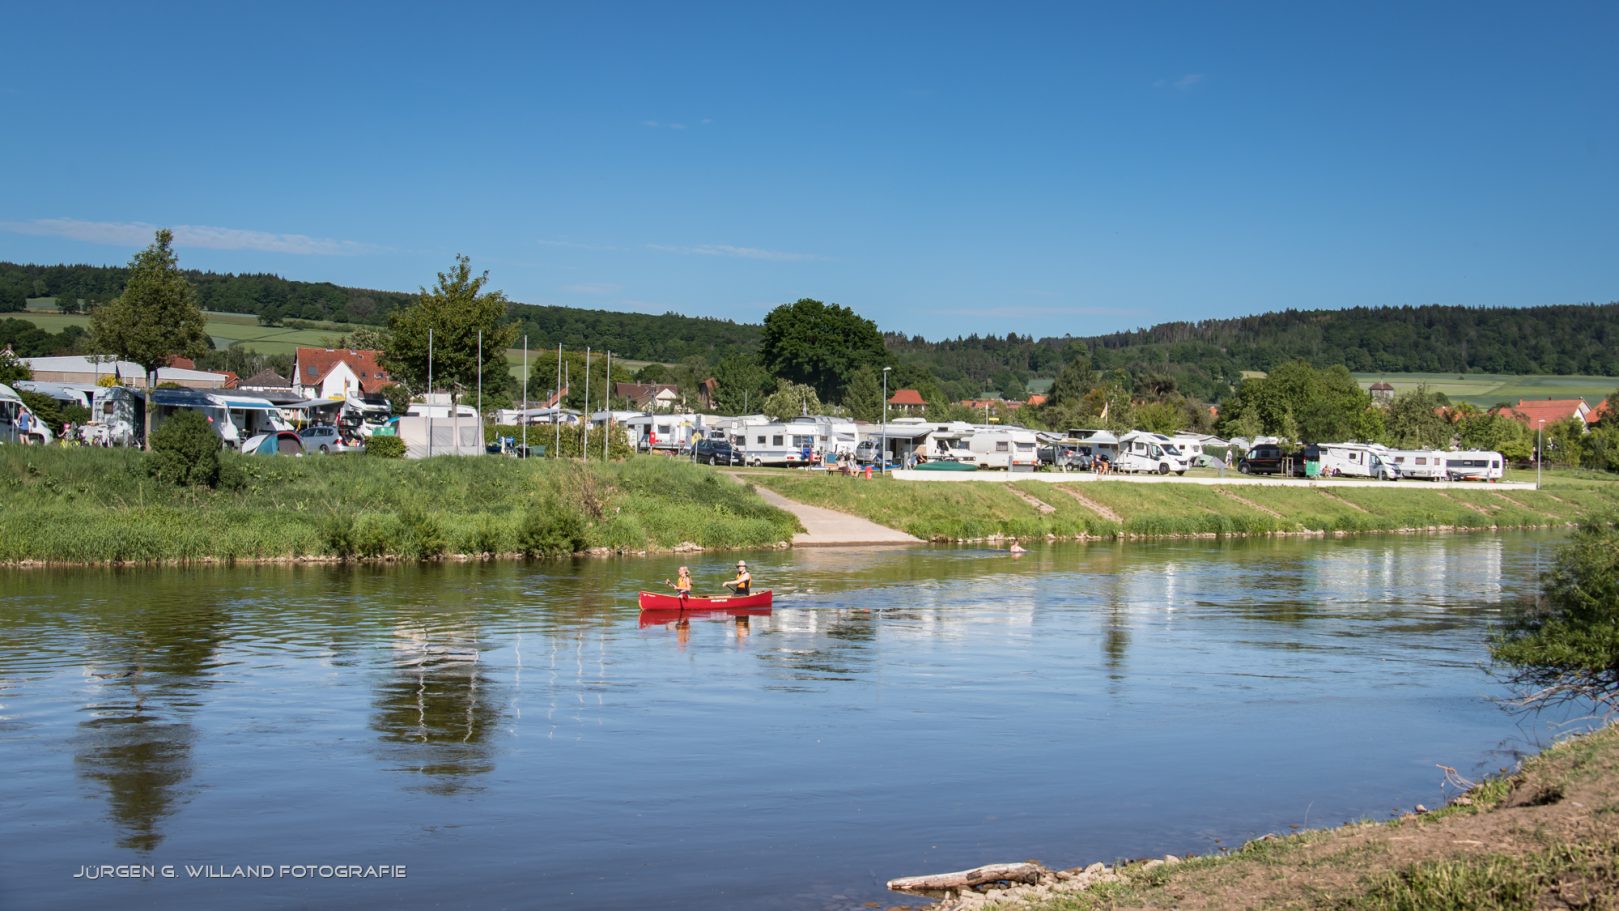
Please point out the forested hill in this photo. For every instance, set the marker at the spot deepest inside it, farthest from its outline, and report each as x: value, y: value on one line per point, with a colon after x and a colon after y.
x: 1202, y: 358
x: 669, y: 337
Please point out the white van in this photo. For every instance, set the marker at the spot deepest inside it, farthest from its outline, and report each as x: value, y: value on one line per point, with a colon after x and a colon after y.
x: 1475, y: 465
x: 1149, y: 452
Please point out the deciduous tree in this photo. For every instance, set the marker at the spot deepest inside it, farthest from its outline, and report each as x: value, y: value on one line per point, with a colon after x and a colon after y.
x: 156, y: 317
x: 455, y: 310
x: 819, y: 345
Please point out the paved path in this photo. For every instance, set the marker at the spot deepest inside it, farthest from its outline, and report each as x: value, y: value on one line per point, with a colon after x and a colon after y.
x: 828, y: 527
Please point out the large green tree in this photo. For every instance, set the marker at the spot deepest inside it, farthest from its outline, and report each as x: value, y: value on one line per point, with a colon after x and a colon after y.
x: 156, y: 317
x: 1414, y: 421
x: 863, y: 395
x: 455, y: 310
x: 791, y: 400
x: 742, y: 385
x: 819, y: 345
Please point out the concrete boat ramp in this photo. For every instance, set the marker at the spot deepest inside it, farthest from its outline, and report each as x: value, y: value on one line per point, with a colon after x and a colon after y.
x: 828, y: 527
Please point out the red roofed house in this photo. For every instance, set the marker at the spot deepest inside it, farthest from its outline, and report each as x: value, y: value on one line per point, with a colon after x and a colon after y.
x: 325, y: 373
x: 1036, y: 400
x: 907, y: 401
x: 649, y: 396
x: 1531, y: 412
x: 1600, y: 413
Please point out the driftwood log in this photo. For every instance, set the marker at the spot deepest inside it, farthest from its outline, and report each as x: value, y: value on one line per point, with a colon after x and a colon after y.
x: 969, y: 879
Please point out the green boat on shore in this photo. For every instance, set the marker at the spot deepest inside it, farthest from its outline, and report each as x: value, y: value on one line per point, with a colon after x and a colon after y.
x: 946, y: 465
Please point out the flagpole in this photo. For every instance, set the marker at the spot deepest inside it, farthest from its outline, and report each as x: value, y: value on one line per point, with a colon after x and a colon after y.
x: 524, y: 418
x: 480, y: 378
x: 584, y: 424
x: 607, y: 404
x: 430, y: 392
x: 556, y: 411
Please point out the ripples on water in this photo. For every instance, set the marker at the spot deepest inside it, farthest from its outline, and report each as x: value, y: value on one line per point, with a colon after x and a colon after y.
x: 514, y: 736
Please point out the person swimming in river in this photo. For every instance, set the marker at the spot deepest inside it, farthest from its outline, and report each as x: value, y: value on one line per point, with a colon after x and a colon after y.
x: 743, y: 580
x: 1016, y: 548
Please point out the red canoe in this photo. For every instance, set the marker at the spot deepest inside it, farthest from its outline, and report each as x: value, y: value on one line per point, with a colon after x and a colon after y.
x: 657, y: 616
x: 661, y: 601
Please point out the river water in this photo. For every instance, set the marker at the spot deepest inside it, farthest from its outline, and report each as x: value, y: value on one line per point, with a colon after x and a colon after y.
x: 511, y: 737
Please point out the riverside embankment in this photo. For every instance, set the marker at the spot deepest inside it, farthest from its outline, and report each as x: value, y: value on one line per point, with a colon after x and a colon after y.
x: 93, y: 506
x: 1112, y: 509
x: 1544, y: 836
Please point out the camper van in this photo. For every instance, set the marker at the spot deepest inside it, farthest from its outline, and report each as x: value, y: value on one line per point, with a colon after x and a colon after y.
x: 1009, y: 449
x: 11, y: 409
x: 249, y: 416
x: 1149, y: 452
x: 1355, y: 460
x: 1475, y: 465
x: 1420, y: 464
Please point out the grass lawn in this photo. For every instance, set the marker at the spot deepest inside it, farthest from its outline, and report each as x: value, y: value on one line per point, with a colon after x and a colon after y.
x: 226, y: 329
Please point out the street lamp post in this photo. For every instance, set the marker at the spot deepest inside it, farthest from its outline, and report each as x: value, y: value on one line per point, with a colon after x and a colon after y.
x: 1540, y: 450
x: 884, y: 456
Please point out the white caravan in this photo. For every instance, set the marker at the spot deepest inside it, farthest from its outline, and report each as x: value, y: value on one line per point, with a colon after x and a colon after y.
x: 248, y: 416
x: 1149, y: 452
x: 1008, y: 449
x: 11, y: 408
x: 800, y: 441
x: 1475, y: 465
x: 1357, y: 460
x: 1420, y: 464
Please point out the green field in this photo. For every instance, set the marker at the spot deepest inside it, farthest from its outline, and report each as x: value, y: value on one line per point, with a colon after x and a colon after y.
x: 1486, y: 389
x: 226, y: 329
x: 243, y: 330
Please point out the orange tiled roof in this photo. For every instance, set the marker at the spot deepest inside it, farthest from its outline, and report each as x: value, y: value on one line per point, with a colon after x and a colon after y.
x: 906, y: 397
x: 312, y: 364
x: 1531, y: 412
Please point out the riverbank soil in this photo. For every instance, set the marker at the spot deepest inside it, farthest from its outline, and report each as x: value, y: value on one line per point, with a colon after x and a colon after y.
x: 1545, y: 837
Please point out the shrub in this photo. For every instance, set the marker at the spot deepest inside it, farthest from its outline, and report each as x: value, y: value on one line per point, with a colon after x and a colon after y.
x: 385, y: 447
x: 549, y: 530
x: 422, y: 535
x: 185, y: 451
x: 337, y: 534
x: 1567, y: 648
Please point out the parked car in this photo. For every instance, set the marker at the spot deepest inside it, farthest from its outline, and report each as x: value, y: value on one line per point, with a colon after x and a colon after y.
x: 716, y: 452
x: 281, y: 442
x: 1266, y: 458
x: 1066, y: 457
x: 321, y: 438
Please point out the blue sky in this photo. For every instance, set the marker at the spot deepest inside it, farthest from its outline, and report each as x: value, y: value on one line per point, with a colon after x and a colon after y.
x: 941, y: 168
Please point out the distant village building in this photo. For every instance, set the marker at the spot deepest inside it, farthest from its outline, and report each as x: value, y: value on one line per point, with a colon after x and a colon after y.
x: 85, y: 370
x: 1382, y: 392
x: 327, y: 373
x: 266, y: 381
x: 907, y: 401
x: 1533, y: 412
x: 649, y: 396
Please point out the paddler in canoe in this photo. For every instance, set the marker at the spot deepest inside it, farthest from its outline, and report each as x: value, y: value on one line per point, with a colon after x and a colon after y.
x: 743, y: 581
x: 683, y: 582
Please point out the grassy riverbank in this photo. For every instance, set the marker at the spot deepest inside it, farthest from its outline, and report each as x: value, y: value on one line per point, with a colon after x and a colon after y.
x: 1035, y: 509
x: 100, y: 506
x: 1545, y: 837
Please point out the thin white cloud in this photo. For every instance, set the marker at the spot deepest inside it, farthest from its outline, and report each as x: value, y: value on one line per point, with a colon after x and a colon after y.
x: 137, y: 233
x: 1184, y: 83
x: 777, y: 256
x: 578, y: 245
x: 593, y: 288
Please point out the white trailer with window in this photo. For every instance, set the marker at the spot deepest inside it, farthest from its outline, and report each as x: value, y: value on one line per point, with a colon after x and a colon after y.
x: 1141, y: 451
x: 1420, y: 464
x: 1475, y: 465
x: 798, y: 442
x: 1006, y: 449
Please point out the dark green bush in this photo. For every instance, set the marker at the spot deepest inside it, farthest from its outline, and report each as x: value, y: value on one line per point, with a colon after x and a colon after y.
x: 550, y: 530
x: 185, y: 451
x: 385, y: 447
x: 338, y: 535
x: 423, y: 535
x: 1566, y: 648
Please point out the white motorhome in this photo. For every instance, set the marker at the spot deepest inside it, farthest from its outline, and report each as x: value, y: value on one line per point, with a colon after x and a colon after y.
x: 363, y: 418
x: 1356, y: 460
x: 1006, y: 449
x: 1140, y: 451
x: 11, y: 410
x: 248, y: 416
x: 666, y: 433
x: 1475, y: 465
x: 1420, y: 464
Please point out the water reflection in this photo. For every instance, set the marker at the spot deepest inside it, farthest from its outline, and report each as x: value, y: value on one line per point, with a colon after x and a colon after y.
x: 145, y: 680
x: 436, y: 708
